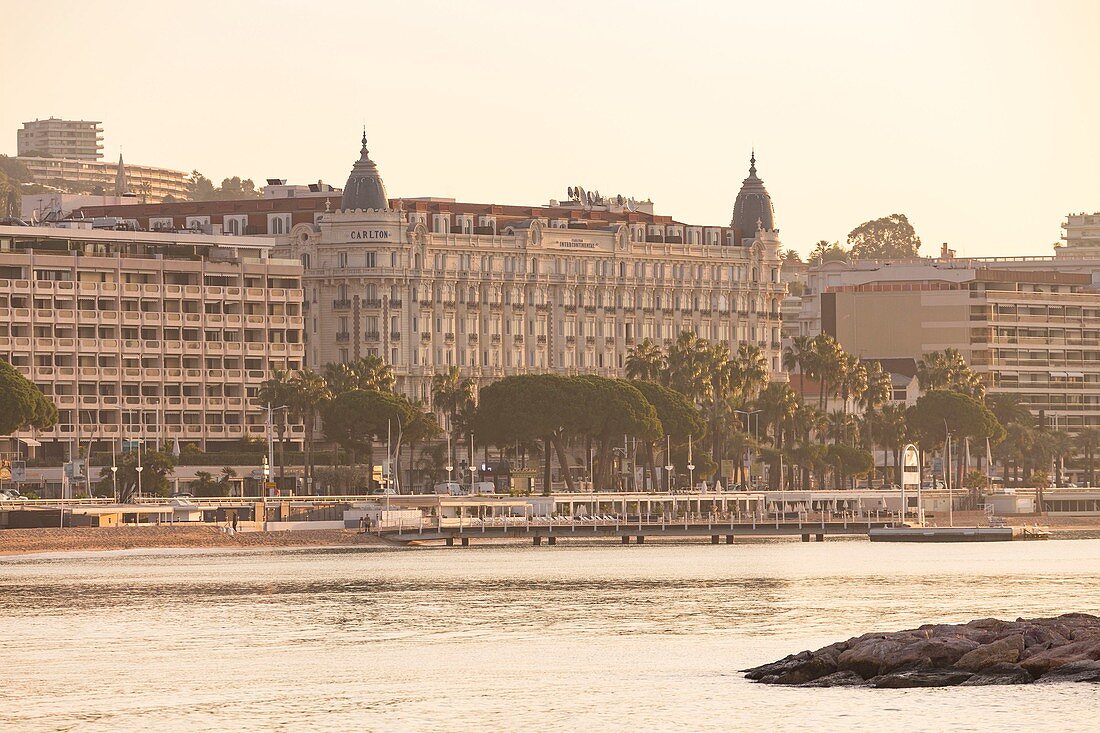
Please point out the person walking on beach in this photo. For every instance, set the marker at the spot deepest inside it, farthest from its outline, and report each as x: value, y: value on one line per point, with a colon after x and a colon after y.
x: 234, y: 522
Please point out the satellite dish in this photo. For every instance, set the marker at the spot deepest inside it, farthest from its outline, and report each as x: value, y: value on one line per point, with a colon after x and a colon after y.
x: 569, y: 192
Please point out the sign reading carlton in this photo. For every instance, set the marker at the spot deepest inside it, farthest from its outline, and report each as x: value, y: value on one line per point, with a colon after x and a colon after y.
x: 369, y: 235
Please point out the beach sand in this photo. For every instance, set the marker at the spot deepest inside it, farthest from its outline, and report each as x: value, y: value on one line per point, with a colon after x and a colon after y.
x: 84, y: 539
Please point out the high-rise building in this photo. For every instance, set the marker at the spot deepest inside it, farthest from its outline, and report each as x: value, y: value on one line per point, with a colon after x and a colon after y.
x: 143, y: 335
x: 55, y: 138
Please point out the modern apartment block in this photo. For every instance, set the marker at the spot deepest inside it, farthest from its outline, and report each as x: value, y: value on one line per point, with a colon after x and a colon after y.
x: 142, y: 335
x: 1082, y: 232
x: 83, y: 176
x: 56, y: 138
x: 1035, y: 333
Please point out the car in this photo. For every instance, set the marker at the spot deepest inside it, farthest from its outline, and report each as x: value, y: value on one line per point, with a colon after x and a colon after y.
x: 182, y: 495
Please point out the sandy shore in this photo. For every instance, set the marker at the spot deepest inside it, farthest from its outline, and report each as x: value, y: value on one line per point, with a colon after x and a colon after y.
x: 85, y: 539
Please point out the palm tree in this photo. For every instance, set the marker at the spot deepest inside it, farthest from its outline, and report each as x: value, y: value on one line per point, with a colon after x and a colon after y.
x: 853, y: 379
x: 825, y: 364
x: 777, y: 404
x: 687, y: 366
x: 1008, y: 408
x: 948, y: 369
x: 308, y: 394
x: 893, y: 429
x: 795, y: 357
x: 369, y: 372
x: 839, y: 426
x: 748, y: 371
x: 1088, y: 440
x: 645, y: 361
x: 452, y: 394
x: 275, y: 392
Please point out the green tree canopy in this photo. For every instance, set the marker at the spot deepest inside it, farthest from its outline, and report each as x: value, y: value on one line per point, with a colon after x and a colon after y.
x: 939, y: 411
x: 156, y: 467
x: 891, y: 237
x: 22, y: 404
x: 357, y: 418
x: 201, y: 188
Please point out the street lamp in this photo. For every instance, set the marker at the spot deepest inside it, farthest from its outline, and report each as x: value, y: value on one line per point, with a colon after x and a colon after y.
x: 690, y: 467
x: 139, y: 469
x: 450, y: 465
x: 668, y: 462
x: 114, y: 481
x: 748, y: 450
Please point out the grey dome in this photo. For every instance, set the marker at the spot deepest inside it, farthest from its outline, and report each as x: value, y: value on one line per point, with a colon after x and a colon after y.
x: 364, y: 189
x: 752, y: 207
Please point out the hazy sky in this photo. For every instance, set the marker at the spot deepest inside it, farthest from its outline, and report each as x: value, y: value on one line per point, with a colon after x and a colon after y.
x: 980, y: 120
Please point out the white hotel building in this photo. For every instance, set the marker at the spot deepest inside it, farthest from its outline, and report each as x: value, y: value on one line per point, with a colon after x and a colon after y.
x: 568, y: 287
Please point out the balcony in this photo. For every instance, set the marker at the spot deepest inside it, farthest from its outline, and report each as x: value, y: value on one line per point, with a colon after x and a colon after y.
x: 540, y: 340
x: 343, y: 337
x: 472, y: 338
x: 341, y: 304
x: 395, y: 335
x: 372, y: 303
x: 425, y: 336
x: 372, y: 335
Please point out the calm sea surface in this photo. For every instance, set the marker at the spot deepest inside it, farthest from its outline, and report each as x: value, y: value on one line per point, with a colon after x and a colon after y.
x: 566, y: 638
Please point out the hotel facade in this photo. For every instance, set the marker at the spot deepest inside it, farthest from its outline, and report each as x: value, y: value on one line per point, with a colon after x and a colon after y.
x: 496, y: 290
x: 141, y: 335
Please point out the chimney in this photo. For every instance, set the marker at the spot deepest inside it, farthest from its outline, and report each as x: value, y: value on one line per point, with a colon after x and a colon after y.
x: 946, y: 253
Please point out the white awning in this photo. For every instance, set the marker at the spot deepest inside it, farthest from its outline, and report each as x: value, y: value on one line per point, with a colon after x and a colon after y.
x: 29, y: 442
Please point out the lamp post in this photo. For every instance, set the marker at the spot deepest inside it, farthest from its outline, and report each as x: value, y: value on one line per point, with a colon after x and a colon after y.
x: 450, y: 464
x: 690, y: 467
x: 473, y: 468
x: 266, y: 470
x: 668, y: 462
x: 748, y: 450
x: 271, y: 438
x: 139, y: 469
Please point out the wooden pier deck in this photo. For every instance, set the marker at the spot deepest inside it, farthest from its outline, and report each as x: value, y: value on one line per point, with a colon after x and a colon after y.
x: 629, y: 530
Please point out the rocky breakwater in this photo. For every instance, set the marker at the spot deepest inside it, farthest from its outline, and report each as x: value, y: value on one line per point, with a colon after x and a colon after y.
x: 984, y: 652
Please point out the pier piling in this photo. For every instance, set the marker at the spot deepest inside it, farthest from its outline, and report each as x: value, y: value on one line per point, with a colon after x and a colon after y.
x: 551, y: 540
x: 714, y: 539
x: 729, y: 539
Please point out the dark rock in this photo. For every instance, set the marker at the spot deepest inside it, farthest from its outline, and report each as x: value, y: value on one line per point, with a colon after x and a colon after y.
x: 1081, y: 671
x: 807, y: 671
x: 838, y: 679
x: 1057, y: 656
x: 1002, y: 651
x: 869, y: 657
x: 1000, y: 674
x: 774, y: 669
x: 982, y: 652
x: 921, y: 678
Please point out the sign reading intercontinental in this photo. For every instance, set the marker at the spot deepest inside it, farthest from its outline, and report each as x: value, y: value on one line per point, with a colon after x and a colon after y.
x: 577, y: 244
x: 374, y: 235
